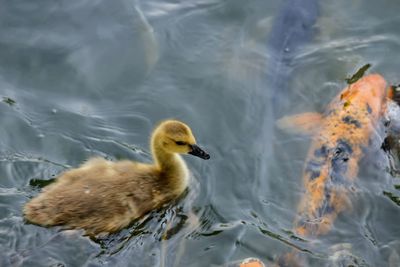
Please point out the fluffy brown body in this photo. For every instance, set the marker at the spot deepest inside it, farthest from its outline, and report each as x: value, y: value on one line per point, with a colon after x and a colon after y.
x: 103, y: 196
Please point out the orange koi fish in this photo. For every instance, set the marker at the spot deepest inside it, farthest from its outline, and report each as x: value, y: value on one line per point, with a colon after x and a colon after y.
x: 339, y: 137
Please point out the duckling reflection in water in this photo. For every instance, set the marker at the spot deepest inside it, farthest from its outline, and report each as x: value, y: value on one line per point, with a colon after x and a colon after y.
x: 103, y: 196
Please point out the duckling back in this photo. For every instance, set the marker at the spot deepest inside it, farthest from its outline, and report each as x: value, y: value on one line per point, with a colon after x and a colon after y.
x: 100, y: 196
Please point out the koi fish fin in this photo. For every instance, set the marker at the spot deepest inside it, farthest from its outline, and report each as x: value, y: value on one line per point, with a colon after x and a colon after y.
x: 391, y: 144
x: 304, y: 123
x: 394, y: 93
x: 392, y: 118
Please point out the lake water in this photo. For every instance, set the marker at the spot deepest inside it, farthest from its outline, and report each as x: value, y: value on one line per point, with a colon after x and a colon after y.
x: 91, y: 78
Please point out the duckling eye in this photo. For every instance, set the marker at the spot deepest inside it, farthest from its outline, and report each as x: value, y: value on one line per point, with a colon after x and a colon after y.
x: 180, y: 143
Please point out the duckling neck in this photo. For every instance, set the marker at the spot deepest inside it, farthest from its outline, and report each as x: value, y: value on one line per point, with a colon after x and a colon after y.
x: 170, y: 164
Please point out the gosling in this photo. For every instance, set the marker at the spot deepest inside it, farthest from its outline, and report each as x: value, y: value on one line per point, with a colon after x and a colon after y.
x: 102, y: 196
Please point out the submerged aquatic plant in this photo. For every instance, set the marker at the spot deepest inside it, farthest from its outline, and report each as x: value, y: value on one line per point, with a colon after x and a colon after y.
x: 9, y: 101
x: 358, y: 75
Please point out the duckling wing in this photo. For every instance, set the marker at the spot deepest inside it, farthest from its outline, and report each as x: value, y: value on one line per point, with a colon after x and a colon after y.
x: 95, y: 198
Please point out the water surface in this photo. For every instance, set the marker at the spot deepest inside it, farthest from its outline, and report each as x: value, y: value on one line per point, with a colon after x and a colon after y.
x: 91, y: 78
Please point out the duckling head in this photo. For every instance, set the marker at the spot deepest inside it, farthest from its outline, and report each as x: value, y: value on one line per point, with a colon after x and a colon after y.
x: 176, y: 137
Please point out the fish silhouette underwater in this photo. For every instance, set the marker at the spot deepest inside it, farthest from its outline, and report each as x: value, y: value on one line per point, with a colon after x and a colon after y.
x: 339, y: 138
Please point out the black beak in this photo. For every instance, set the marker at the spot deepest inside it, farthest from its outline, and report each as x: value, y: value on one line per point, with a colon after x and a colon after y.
x: 198, y: 152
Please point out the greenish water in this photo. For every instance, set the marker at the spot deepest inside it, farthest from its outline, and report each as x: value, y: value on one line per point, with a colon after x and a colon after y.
x: 91, y: 78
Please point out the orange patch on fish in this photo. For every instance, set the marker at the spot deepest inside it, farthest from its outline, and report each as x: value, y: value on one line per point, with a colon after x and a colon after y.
x: 252, y: 263
x: 339, y: 136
